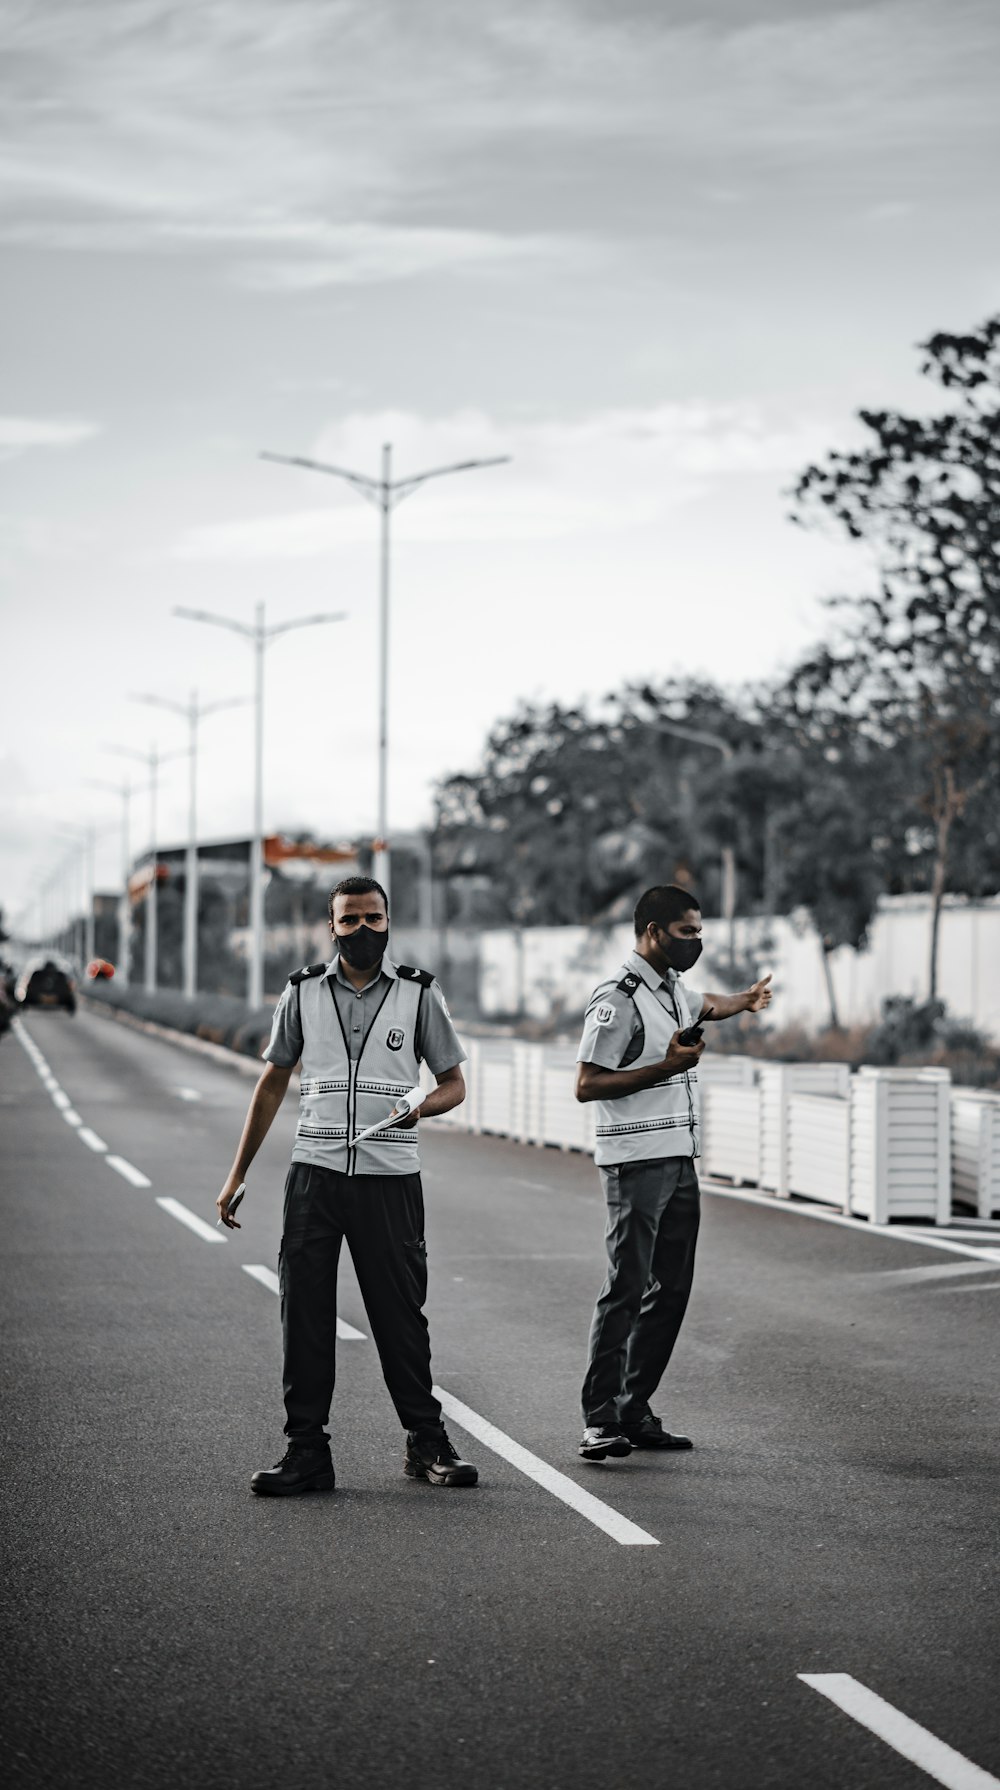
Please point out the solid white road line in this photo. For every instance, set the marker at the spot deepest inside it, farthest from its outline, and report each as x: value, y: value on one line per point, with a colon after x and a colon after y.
x: 924, y: 1750
x: 198, y: 1225
x: 567, y: 1490
x: 126, y: 1169
x: 72, y: 1117
x: 584, y: 1503
x: 772, y: 1204
x: 91, y: 1139
x: 936, y: 1270
x: 267, y: 1277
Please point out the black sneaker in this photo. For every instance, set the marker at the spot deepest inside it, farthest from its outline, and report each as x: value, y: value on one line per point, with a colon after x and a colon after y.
x: 301, y: 1470
x: 430, y: 1455
x: 650, y: 1433
x: 602, y: 1439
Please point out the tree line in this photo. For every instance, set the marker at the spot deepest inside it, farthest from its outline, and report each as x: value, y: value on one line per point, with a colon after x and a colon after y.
x: 871, y: 767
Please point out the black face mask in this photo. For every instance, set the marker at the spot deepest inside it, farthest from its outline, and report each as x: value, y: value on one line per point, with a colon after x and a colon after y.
x: 363, y: 948
x: 681, y: 954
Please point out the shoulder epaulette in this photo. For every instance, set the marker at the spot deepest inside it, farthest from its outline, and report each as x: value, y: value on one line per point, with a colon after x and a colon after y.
x: 407, y: 970
x: 629, y: 982
x: 311, y: 969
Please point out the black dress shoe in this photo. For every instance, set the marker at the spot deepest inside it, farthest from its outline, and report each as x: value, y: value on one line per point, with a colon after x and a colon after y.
x: 301, y: 1470
x: 430, y: 1455
x: 650, y: 1433
x: 602, y: 1439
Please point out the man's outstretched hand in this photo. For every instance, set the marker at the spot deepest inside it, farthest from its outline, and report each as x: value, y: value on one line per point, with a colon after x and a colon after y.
x: 759, y: 995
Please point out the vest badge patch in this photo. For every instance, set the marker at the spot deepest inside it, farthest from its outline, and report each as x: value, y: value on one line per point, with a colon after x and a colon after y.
x: 395, y: 1037
x: 604, y: 1014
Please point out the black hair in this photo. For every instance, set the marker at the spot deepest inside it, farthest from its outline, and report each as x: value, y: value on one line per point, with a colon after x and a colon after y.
x: 664, y: 904
x: 358, y: 885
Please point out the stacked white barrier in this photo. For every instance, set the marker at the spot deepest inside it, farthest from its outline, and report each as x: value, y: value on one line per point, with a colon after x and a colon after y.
x: 900, y: 1144
x: 814, y: 1174
x: 975, y: 1150
x: 819, y: 1148
x: 878, y: 1143
x: 730, y: 1144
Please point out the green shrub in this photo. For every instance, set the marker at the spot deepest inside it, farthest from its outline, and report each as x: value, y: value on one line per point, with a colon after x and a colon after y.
x: 218, y: 1018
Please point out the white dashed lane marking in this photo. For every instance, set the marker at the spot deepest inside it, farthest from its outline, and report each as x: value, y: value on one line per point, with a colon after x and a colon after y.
x: 207, y: 1233
x: 906, y: 1737
x: 128, y: 1171
x: 91, y: 1139
x: 267, y: 1277
x: 187, y: 1093
x: 72, y: 1117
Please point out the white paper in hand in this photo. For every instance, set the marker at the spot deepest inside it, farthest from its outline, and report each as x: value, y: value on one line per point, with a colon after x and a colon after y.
x: 404, y: 1105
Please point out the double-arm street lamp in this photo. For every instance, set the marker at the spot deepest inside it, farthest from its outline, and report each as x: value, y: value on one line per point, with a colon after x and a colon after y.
x: 125, y: 792
x: 385, y: 493
x: 260, y: 637
x: 152, y: 759
x: 193, y: 713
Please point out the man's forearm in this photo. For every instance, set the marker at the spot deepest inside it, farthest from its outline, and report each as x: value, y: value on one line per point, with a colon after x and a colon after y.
x: 724, y: 1006
x: 266, y: 1099
x: 448, y: 1093
x: 615, y: 1084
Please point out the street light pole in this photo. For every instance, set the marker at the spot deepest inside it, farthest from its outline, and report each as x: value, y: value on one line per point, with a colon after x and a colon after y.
x: 701, y: 737
x: 260, y: 637
x: 193, y: 713
x: 385, y: 493
x: 152, y: 759
x: 125, y: 792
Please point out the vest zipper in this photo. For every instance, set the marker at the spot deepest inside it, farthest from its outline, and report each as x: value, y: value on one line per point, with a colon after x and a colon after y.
x: 352, y: 1154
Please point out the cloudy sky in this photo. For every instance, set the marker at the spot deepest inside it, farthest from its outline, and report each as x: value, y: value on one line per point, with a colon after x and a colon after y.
x: 656, y: 252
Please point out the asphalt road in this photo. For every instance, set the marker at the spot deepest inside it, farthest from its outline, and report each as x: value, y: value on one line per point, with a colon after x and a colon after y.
x: 162, y: 1627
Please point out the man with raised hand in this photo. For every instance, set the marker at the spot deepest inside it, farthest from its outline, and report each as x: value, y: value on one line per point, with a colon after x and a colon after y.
x: 361, y: 1025
x: 634, y: 1063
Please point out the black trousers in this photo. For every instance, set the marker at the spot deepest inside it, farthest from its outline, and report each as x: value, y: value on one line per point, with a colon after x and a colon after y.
x: 382, y: 1219
x: 654, y: 1209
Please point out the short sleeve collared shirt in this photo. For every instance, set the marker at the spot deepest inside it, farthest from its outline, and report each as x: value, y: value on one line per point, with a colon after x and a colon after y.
x: 613, y: 1032
x: 437, y: 1041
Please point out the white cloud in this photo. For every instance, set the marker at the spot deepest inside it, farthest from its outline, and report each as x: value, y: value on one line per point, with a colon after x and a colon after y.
x: 20, y: 432
x: 614, y: 470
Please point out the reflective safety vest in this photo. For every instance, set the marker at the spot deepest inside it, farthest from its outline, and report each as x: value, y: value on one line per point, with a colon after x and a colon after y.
x: 664, y: 1120
x: 338, y: 1097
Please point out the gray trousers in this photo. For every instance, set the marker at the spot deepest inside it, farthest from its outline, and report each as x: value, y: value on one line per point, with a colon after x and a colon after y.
x: 653, y: 1216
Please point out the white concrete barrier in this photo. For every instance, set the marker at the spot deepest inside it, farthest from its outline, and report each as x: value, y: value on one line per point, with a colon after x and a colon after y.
x: 818, y: 1148
x: 877, y: 1143
x: 731, y: 1132
x: 779, y: 1082
x: 901, y: 1144
x: 975, y: 1150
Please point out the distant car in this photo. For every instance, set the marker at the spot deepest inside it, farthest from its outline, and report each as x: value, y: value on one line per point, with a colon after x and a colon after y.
x: 99, y: 969
x: 47, y: 982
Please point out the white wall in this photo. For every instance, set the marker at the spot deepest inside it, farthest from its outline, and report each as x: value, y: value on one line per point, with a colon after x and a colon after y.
x: 543, y: 971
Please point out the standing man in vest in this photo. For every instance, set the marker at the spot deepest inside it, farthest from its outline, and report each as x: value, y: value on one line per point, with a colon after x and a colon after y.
x: 362, y: 1025
x: 645, y: 1083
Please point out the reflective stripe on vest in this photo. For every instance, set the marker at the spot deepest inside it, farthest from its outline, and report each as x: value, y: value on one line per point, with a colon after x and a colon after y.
x: 659, y: 1121
x: 338, y: 1097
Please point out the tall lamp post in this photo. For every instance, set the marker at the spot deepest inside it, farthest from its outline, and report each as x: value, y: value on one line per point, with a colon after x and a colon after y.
x: 385, y: 493
x: 701, y: 737
x: 152, y: 759
x: 193, y: 713
x: 125, y: 792
x: 260, y: 637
